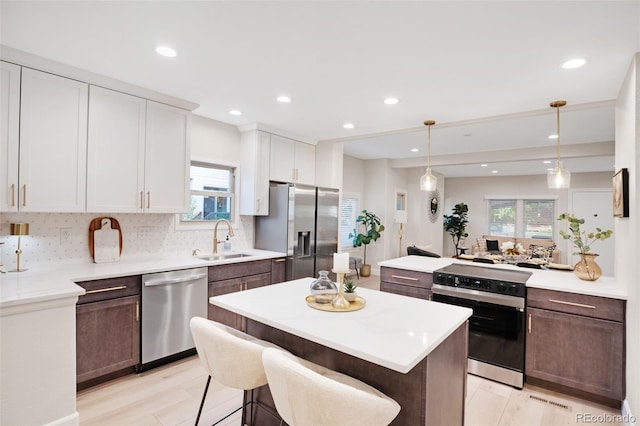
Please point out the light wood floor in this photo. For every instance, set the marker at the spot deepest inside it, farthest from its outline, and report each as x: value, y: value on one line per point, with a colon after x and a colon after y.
x: 170, y: 395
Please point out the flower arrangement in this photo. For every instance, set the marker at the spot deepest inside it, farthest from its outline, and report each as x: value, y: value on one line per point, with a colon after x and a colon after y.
x: 581, y: 239
x: 510, y: 248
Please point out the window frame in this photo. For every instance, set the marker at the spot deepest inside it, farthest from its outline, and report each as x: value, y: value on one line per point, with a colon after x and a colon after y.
x: 351, y: 195
x: 234, y: 168
x: 520, y: 225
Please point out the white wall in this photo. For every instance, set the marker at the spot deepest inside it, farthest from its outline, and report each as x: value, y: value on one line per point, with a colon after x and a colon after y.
x: 473, y: 191
x: 143, y: 234
x: 627, y: 267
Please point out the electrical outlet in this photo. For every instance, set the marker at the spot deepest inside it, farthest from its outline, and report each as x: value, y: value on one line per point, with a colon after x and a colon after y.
x: 65, y: 236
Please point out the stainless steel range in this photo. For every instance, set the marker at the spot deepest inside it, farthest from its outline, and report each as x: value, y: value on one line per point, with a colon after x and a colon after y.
x: 497, y: 326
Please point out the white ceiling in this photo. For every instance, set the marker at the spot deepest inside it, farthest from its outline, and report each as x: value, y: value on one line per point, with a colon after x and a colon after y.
x: 484, y: 69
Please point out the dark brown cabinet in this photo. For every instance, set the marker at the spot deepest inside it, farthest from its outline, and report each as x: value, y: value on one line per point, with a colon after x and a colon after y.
x: 224, y: 279
x: 575, y: 343
x: 107, y: 329
x: 407, y: 283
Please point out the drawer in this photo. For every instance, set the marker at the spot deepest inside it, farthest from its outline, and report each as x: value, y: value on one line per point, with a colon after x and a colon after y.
x: 406, y: 277
x: 580, y: 304
x: 405, y: 290
x: 238, y: 270
x: 109, y: 288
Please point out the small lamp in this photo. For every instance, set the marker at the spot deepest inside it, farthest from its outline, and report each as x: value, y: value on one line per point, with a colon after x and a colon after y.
x: 19, y: 229
x: 400, y: 217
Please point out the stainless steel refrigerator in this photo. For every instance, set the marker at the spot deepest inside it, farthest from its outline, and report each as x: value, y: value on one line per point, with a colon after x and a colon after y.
x: 302, y: 222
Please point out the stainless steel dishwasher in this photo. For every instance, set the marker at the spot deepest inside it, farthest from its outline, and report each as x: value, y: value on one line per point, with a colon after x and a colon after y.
x: 169, y: 301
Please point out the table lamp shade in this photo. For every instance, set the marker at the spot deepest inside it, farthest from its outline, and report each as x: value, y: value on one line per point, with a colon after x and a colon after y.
x: 19, y: 229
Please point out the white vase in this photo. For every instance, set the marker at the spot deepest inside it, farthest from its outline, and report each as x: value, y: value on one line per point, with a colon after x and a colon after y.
x: 351, y: 297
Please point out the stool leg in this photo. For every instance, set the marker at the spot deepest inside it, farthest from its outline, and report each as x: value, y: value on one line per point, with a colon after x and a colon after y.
x: 204, y: 396
x: 357, y: 273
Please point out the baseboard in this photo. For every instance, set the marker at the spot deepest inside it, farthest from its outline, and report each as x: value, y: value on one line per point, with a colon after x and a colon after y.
x: 627, y: 417
x: 70, y: 420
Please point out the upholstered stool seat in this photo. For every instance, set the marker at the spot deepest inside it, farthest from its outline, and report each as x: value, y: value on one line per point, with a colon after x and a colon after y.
x: 232, y: 358
x: 355, y: 263
x: 308, y: 394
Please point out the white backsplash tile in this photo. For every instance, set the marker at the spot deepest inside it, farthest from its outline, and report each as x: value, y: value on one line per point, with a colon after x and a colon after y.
x: 143, y: 235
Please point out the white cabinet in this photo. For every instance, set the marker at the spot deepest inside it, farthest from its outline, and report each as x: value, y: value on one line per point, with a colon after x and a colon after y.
x: 167, y: 159
x: 115, y: 152
x: 255, y: 146
x: 53, y: 143
x: 291, y: 161
x: 9, y: 132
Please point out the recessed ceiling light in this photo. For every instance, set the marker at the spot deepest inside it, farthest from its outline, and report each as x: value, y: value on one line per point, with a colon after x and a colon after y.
x: 484, y: 165
x: 391, y: 101
x: 574, y: 63
x: 166, y: 51
x: 348, y: 125
x: 494, y: 171
x: 283, y: 99
x: 546, y: 162
x: 415, y: 150
x: 553, y: 136
x: 235, y: 112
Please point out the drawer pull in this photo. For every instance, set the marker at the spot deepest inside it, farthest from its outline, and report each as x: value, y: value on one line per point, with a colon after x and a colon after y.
x: 579, y: 305
x: 402, y: 277
x: 13, y: 195
x: 102, y: 290
x: 280, y: 260
x: 529, y: 327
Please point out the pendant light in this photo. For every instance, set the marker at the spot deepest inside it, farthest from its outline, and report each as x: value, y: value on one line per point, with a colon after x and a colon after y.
x: 428, y: 182
x: 559, y: 177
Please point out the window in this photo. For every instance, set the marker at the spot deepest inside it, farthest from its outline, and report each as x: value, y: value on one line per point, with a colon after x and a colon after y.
x: 348, y: 214
x: 528, y: 218
x: 212, y: 195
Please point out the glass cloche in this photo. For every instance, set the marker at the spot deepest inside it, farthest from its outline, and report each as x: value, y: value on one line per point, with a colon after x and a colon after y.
x: 323, y: 289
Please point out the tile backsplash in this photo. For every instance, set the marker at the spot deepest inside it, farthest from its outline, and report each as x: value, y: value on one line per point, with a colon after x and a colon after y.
x: 64, y: 237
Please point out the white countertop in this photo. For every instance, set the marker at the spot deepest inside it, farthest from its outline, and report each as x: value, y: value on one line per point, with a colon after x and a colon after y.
x: 393, y: 331
x: 540, y: 278
x: 56, y: 282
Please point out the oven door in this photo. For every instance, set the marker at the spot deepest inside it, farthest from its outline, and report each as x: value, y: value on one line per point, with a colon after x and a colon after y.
x: 496, y: 333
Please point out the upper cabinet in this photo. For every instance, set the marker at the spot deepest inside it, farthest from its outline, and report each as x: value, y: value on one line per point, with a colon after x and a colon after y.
x: 52, y: 145
x: 115, y: 152
x: 167, y: 159
x: 9, y: 132
x: 292, y: 161
x: 138, y: 155
x: 254, y: 179
x: 70, y: 147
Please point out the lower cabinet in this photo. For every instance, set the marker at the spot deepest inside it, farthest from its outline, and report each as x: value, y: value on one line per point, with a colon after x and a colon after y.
x: 407, y: 283
x: 107, y: 329
x: 224, y: 279
x: 576, y: 343
x: 278, y: 270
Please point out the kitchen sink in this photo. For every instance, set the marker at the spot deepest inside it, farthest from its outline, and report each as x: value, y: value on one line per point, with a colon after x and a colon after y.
x: 222, y: 256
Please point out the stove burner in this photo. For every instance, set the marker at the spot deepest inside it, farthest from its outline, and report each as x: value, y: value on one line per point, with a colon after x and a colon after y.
x: 492, y: 280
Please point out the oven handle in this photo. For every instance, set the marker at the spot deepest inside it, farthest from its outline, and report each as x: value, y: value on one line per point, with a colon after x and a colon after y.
x: 480, y: 296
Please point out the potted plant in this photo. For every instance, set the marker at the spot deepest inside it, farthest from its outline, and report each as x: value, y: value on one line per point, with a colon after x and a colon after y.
x: 372, y: 228
x: 586, y: 269
x: 350, y: 290
x: 456, y: 224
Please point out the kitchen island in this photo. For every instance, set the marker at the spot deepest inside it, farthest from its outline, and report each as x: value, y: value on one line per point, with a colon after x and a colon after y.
x: 412, y: 350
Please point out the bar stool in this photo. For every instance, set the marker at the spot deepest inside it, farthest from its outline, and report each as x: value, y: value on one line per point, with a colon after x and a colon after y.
x: 309, y: 394
x: 232, y: 358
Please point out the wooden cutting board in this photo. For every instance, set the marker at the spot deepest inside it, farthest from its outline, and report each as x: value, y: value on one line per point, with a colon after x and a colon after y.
x: 105, y: 240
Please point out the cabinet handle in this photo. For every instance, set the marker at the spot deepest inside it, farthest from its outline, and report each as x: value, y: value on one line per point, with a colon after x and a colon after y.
x: 402, y: 277
x: 579, y: 305
x: 280, y: 260
x: 137, y: 311
x: 24, y: 195
x: 148, y: 199
x: 102, y: 290
x: 141, y: 199
x: 13, y: 195
x: 258, y: 205
x: 529, y: 326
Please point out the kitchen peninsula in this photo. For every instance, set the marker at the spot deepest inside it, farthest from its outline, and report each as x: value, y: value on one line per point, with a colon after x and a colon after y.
x: 412, y: 350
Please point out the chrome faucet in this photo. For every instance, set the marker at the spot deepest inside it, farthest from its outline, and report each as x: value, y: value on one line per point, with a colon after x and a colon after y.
x: 216, y: 241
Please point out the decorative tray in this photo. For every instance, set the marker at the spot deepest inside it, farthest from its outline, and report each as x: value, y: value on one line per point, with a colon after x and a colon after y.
x: 353, y: 306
